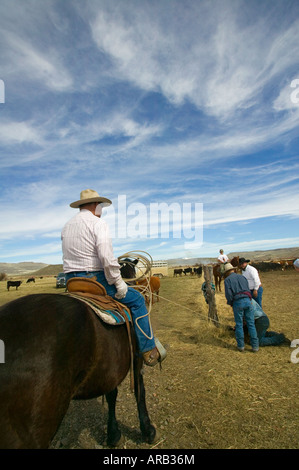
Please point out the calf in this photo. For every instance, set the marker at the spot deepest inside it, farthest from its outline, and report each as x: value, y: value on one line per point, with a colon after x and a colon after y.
x: 15, y: 284
x: 127, y: 270
x: 31, y: 279
x: 154, y: 287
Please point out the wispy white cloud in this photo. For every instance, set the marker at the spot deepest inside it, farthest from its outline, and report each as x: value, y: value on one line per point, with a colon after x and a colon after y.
x: 19, y: 133
x: 49, y: 249
x: 164, y: 102
x: 35, y: 65
x: 225, y: 72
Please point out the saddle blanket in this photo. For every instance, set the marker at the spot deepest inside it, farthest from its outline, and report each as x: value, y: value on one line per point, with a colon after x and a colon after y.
x: 112, y: 317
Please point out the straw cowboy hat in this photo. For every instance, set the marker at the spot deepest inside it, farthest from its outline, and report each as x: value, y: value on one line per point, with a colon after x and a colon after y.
x: 89, y: 195
x: 229, y: 267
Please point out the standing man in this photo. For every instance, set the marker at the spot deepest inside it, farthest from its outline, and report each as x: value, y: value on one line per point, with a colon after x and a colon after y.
x: 253, y: 279
x: 87, y: 252
x: 239, y: 297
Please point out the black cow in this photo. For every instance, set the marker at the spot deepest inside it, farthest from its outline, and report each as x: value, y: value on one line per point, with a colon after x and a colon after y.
x: 31, y: 279
x: 128, y: 270
x: 15, y: 284
x: 188, y: 270
x: 198, y: 271
x: 177, y: 272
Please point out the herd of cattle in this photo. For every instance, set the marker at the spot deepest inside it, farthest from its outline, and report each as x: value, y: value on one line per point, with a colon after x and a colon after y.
x: 265, y: 266
x: 191, y: 271
x: 17, y: 284
x: 261, y: 266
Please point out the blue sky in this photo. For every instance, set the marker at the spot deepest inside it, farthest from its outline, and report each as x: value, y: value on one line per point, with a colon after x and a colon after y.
x: 158, y: 102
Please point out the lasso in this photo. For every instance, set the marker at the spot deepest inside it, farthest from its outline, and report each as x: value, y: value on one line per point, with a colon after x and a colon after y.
x: 143, y: 271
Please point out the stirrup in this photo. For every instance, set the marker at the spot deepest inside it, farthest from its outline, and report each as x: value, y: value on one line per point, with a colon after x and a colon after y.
x: 161, y: 349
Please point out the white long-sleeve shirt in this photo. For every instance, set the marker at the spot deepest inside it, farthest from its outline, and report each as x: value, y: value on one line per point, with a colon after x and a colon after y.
x: 87, y: 246
x: 252, y: 277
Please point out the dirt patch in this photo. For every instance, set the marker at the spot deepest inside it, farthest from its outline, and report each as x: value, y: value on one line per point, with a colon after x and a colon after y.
x: 207, y: 395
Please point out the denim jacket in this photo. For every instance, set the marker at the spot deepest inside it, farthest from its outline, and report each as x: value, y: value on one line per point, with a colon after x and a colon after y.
x: 258, y: 311
x: 236, y: 287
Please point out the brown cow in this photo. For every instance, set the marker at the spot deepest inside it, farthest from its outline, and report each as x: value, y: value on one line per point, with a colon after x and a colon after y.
x: 154, y: 287
x: 285, y: 264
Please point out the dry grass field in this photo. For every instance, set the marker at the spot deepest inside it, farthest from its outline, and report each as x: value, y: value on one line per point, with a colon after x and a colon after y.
x: 208, y: 395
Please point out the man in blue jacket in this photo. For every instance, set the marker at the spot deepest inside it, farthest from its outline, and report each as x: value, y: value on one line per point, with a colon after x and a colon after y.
x: 238, y: 295
x: 262, y: 323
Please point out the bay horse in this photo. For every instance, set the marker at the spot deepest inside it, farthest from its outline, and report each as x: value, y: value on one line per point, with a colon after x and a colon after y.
x: 56, y: 350
x: 217, y: 274
x: 217, y: 277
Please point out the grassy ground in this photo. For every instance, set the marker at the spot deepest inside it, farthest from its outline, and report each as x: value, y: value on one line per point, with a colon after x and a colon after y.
x: 207, y: 395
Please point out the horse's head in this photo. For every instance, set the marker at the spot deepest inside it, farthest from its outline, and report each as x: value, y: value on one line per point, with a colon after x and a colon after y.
x: 235, y: 261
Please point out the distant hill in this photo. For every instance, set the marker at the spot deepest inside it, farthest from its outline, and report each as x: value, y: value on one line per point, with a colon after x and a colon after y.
x: 26, y: 267
x: 190, y: 261
x: 50, y: 270
x: 268, y: 255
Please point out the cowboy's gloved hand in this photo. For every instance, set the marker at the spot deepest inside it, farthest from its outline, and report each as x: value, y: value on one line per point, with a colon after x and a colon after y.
x: 121, y: 288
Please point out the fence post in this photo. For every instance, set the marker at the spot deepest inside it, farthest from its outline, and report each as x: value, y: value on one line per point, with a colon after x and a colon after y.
x: 210, y: 295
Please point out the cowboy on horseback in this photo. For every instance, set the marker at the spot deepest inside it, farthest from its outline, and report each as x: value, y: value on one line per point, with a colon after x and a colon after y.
x: 223, y: 259
x: 87, y: 252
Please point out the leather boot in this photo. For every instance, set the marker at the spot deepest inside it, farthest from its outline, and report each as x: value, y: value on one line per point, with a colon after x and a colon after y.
x: 151, y: 358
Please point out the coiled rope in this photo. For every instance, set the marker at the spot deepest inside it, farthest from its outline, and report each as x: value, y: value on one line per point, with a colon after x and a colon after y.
x: 144, y: 266
x: 144, y: 272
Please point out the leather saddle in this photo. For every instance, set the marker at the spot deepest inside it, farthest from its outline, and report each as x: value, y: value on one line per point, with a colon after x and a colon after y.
x: 85, y: 285
x: 90, y: 290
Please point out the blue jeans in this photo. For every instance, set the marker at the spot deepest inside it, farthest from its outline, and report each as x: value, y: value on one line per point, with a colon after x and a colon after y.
x: 243, y: 310
x: 267, y: 338
x: 258, y: 299
x: 136, y: 303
